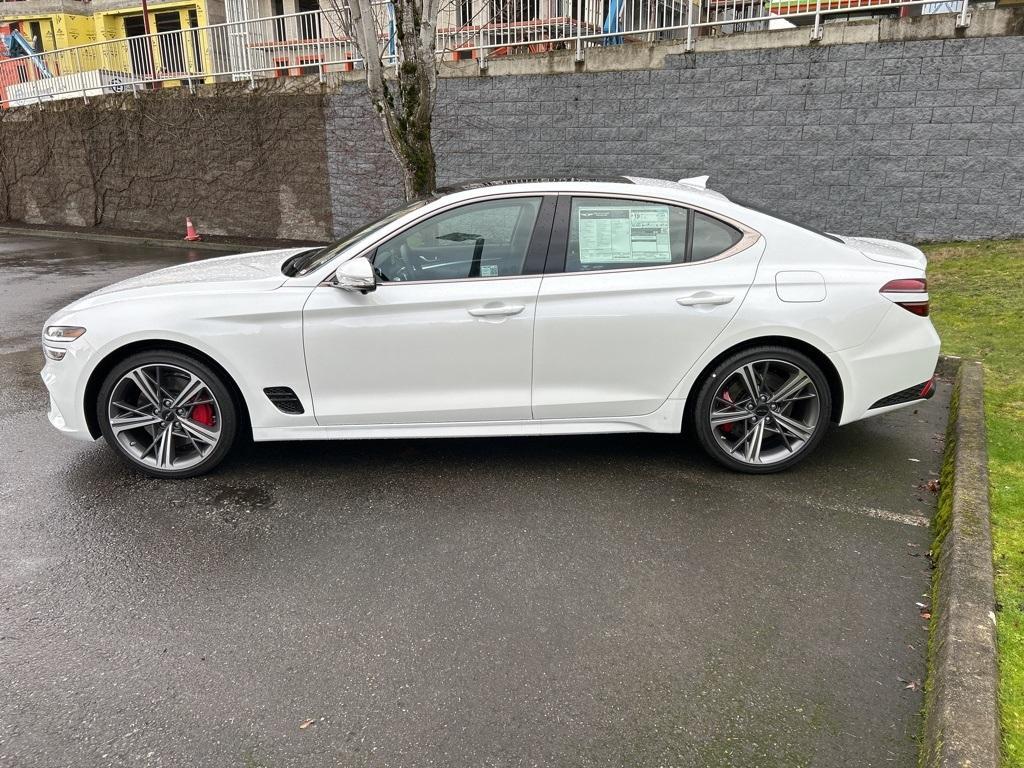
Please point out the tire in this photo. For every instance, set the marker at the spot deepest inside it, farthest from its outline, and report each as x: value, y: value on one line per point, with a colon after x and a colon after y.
x: 136, y: 412
x: 785, y: 419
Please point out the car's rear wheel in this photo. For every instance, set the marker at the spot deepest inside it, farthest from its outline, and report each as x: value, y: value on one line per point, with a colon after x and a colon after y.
x: 763, y: 409
x: 167, y: 414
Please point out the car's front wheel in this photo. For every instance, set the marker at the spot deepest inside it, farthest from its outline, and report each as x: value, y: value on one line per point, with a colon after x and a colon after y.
x: 763, y: 409
x: 167, y: 414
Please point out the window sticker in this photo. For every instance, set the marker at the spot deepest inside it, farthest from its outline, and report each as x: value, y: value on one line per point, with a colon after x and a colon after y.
x: 488, y: 270
x: 624, y: 234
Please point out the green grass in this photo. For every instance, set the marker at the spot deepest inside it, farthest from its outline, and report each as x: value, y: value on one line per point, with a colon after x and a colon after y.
x: 977, y: 295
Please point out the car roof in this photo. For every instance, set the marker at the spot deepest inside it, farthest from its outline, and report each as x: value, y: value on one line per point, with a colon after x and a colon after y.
x: 692, y: 189
x: 465, y: 186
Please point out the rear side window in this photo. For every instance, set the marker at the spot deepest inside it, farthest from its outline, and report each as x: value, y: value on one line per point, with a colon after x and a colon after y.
x: 712, y: 237
x: 607, y: 233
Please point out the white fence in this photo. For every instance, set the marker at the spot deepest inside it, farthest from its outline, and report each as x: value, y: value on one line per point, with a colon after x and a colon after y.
x: 316, y: 42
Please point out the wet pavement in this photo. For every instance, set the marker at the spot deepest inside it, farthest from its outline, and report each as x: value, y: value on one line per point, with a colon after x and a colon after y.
x: 585, y: 601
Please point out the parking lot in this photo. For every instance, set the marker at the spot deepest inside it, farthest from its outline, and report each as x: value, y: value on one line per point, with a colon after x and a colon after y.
x: 585, y: 601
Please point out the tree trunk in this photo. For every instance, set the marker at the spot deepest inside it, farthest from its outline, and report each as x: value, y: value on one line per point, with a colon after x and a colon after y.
x: 405, y: 101
x: 407, y: 123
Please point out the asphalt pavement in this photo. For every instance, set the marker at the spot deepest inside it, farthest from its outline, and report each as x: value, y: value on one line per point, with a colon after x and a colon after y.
x: 584, y: 601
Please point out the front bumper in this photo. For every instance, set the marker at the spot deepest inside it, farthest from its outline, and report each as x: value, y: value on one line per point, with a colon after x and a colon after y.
x: 65, y: 381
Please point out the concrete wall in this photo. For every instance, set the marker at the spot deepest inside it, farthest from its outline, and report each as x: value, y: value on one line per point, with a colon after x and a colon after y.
x: 876, y: 130
x: 907, y: 129
x: 240, y: 162
x: 917, y: 139
x: 364, y: 179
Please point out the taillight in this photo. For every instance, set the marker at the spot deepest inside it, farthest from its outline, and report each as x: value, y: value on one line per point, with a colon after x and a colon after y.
x: 904, y: 286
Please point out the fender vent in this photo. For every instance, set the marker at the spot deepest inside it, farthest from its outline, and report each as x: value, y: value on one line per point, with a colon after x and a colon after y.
x: 285, y: 399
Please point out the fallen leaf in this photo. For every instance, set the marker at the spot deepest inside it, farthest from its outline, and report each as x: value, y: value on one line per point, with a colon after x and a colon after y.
x: 306, y: 724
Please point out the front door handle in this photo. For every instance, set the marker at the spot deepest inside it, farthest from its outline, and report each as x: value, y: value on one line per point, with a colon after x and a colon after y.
x: 499, y: 311
x: 703, y: 298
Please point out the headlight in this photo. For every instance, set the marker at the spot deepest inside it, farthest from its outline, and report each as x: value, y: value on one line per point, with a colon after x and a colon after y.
x: 54, y: 354
x: 62, y: 332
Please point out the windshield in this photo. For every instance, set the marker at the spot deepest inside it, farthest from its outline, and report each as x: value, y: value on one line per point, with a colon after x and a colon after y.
x: 308, y: 261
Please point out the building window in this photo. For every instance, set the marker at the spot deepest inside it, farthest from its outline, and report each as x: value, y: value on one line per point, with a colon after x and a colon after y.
x: 194, y: 38
x: 277, y: 9
x: 138, y: 46
x: 35, y: 36
x: 309, y: 26
x: 508, y: 11
x: 172, y: 49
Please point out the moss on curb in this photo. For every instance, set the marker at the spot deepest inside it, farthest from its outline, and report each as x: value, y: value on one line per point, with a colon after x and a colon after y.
x: 928, y: 756
x: 961, y: 724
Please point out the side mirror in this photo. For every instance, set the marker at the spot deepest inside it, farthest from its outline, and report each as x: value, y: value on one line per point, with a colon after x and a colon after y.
x: 355, y: 275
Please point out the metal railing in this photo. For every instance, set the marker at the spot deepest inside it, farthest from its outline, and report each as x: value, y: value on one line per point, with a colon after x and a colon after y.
x: 316, y: 42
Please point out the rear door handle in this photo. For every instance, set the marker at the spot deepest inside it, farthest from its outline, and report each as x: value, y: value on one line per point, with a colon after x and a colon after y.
x: 703, y: 298
x: 503, y: 310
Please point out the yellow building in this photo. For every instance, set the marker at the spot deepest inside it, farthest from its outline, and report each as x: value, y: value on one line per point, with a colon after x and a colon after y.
x: 93, y: 30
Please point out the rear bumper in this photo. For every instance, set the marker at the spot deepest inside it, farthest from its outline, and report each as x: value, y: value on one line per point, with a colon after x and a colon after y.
x: 891, y: 369
x: 923, y: 391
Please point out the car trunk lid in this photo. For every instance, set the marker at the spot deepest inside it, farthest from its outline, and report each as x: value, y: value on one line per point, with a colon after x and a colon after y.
x: 889, y: 251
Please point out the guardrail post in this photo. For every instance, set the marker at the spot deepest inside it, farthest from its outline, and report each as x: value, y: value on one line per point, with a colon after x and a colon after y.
x: 580, y: 21
x: 817, y: 33
x: 963, y: 20
x: 689, y: 26
x: 81, y: 77
x: 320, y: 52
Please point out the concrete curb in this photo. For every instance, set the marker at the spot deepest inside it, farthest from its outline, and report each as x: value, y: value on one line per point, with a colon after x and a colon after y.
x: 201, y: 245
x: 962, y: 711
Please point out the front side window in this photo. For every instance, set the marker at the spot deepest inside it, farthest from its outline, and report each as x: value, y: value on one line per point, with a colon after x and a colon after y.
x: 485, y: 239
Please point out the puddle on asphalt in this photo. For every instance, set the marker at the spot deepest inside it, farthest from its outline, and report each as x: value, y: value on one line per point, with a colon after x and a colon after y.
x: 240, y: 506
x: 78, y: 258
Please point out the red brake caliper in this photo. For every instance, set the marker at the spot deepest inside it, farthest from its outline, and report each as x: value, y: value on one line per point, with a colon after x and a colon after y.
x: 727, y: 428
x: 202, y: 414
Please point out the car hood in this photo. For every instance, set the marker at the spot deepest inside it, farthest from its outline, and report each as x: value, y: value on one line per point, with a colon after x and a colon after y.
x: 247, y: 271
x: 888, y: 251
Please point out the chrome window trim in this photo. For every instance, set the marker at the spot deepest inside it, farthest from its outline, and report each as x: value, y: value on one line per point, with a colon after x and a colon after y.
x: 750, y: 236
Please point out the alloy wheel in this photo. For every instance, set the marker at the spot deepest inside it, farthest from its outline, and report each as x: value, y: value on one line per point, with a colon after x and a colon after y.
x: 164, y: 416
x: 765, y: 411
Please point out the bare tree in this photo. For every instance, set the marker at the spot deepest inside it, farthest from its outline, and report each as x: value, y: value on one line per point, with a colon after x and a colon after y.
x: 402, y: 92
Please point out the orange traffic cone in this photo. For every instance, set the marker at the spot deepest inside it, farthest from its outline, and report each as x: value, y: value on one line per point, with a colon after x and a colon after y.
x: 190, y: 231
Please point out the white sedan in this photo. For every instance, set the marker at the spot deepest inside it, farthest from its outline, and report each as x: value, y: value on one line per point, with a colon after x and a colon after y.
x: 524, y: 308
